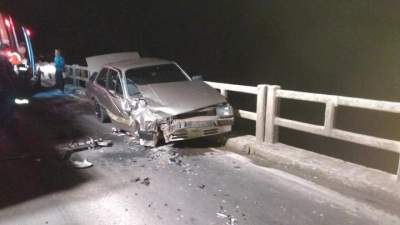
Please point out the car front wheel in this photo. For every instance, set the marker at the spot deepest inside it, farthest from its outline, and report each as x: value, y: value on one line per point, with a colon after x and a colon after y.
x: 101, y: 113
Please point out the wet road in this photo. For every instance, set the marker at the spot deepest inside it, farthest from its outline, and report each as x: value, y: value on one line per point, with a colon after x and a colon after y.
x: 186, y: 183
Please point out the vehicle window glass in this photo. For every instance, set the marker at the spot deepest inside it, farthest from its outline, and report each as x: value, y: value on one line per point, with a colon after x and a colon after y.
x: 112, y: 80
x: 93, y: 76
x: 101, y: 79
x: 156, y: 74
x: 118, y: 89
x: 132, y: 88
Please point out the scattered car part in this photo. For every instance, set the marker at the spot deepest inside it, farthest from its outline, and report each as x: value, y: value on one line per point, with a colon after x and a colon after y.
x: 67, y: 150
x: 81, y: 164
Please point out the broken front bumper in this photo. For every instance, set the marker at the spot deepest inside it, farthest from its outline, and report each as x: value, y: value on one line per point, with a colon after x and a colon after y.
x: 184, y: 129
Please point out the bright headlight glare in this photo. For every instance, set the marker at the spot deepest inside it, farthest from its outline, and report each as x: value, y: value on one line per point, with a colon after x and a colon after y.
x: 225, y: 110
x: 21, y: 101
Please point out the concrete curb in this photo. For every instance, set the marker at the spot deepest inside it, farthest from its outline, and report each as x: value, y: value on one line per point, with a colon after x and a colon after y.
x: 375, y: 187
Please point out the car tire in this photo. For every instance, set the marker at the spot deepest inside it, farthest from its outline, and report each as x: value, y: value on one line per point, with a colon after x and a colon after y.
x: 100, y: 113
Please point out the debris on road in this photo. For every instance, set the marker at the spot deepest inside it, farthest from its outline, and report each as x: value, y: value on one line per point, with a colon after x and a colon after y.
x: 76, y: 146
x: 81, y: 164
x: 222, y: 216
x: 146, y: 181
x: 202, y: 186
x: 118, y: 132
x: 230, y: 220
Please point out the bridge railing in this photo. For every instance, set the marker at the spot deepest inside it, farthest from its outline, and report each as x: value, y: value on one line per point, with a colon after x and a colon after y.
x: 78, y: 74
x: 268, y: 120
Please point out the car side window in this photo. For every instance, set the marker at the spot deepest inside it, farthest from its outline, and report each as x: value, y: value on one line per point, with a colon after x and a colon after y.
x: 114, y: 83
x: 112, y: 80
x: 93, y: 76
x: 118, y: 89
x: 101, y: 79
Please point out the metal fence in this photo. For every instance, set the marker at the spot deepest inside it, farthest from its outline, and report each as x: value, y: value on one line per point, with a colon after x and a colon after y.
x: 268, y: 120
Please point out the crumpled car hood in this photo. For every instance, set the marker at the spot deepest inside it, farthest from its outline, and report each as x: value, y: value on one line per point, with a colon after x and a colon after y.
x: 176, y: 98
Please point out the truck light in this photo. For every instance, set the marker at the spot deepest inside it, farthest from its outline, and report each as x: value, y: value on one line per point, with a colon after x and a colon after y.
x: 7, y: 22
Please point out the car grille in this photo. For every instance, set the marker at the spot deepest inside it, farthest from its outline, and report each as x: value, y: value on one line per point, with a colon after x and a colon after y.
x: 225, y: 122
x: 210, y: 131
x: 204, y: 112
x: 180, y: 134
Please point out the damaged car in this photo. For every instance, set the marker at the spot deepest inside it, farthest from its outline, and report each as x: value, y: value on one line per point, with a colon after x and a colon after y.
x: 155, y: 99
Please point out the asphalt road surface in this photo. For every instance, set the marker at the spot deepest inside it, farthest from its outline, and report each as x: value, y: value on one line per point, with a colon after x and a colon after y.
x: 187, y: 183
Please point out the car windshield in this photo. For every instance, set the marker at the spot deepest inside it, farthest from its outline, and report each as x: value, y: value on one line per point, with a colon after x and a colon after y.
x: 155, y: 74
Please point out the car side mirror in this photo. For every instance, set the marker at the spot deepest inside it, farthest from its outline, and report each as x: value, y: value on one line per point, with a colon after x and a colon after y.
x: 198, y: 77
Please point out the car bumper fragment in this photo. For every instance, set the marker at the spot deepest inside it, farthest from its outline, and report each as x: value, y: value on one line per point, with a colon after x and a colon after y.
x: 189, y: 129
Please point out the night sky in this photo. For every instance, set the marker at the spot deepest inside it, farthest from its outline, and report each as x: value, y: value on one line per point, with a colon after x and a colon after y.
x: 331, y: 46
x: 340, y: 47
x: 344, y: 47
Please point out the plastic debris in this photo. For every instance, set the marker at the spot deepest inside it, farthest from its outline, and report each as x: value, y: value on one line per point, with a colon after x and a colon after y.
x: 87, y: 144
x: 81, y: 164
x: 117, y: 132
x: 222, y: 216
x: 230, y: 219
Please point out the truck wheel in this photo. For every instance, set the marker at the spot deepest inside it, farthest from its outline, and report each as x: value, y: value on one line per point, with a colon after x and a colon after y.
x: 101, y: 113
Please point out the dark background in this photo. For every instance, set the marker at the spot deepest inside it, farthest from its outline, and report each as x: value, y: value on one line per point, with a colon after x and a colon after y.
x: 344, y: 47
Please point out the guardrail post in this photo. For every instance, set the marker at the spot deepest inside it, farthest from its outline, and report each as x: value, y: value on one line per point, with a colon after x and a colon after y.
x: 398, y: 170
x: 330, y: 115
x: 271, y: 131
x: 74, y: 73
x: 261, y: 112
x: 224, y: 92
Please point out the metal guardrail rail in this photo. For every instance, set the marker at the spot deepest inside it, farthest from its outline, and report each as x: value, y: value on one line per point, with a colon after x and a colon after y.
x: 268, y: 120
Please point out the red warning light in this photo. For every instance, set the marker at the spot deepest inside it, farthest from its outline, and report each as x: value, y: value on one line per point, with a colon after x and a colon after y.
x: 8, y: 24
x: 28, y: 32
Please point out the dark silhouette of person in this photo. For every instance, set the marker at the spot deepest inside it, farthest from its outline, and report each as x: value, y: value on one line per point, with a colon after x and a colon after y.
x: 7, y: 88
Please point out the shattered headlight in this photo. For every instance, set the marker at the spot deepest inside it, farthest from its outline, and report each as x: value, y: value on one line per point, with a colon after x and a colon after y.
x: 224, y: 110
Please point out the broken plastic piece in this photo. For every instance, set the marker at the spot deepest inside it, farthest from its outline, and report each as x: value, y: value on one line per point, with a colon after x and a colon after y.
x: 221, y: 215
x: 81, y: 164
x: 146, y: 181
x: 104, y: 143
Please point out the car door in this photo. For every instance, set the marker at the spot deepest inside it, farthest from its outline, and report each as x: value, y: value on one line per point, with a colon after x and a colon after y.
x: 116, y: 101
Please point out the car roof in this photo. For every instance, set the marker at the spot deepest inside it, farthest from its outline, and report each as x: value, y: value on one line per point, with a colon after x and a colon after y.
x: 136, y: 63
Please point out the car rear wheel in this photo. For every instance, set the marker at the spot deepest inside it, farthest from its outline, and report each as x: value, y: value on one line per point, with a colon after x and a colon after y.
x: 101, y: 113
